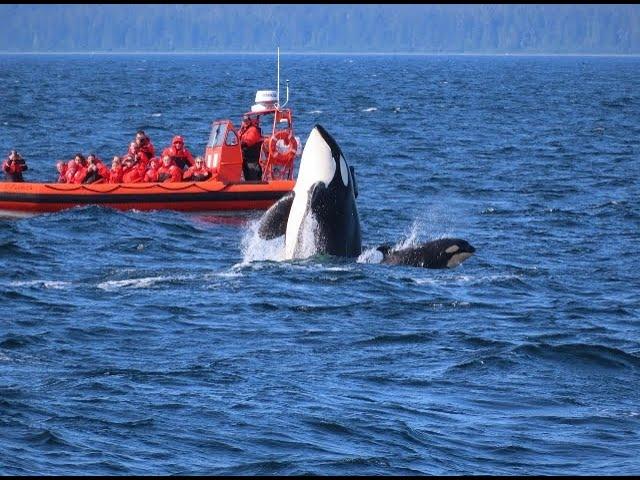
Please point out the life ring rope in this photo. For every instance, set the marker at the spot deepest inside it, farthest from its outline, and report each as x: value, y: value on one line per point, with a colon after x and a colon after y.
x: 135, y: 186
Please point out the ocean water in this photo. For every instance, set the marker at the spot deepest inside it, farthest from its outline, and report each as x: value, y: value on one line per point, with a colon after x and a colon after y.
x: 172, y: 343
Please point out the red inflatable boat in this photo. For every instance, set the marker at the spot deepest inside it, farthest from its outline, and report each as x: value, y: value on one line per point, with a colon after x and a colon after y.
x: 227, y: 190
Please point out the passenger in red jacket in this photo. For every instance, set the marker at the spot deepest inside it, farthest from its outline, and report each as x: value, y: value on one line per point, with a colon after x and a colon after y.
x: 169, y: 172
x: 70, y: 172
x: 152, y: 170
x: 96, y: 171
x: 134, y: 164
x: 132, y: 152
x: 130, y: 158
x: 80, y: 160
x: 103, y: 170
x: 136, y: 173
x: 13, y: 167
x: 180, y: 154
x: 116, y: 172
x: 198, y: 173
x: 133, y: 156
x: 80, y: 171
x: 144, y: 144
x: 62, y: 171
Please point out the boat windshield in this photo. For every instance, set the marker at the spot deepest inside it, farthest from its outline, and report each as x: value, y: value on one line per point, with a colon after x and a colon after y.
x: 217, y: 134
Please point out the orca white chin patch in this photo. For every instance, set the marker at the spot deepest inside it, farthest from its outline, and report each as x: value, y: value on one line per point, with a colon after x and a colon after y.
x: 316, y: 165
x: 457, y: 259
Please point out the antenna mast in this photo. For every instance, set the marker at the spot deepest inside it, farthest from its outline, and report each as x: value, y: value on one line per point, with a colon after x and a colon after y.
x: 278, y: 87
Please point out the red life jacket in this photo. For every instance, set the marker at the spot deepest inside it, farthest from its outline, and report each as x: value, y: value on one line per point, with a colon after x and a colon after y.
x: 251, y: 136
x: 115, y: 176
x: 181, y: 158
x: 196, y: 174
x: 148, y: 150
x: 69, y: 174
x: 169, y: 174
x: 134, y: 174
x: 151, y: 175
x: 79, y: 175
x: 99, y: 174
x: 102, y: 170
x: 139, y: 153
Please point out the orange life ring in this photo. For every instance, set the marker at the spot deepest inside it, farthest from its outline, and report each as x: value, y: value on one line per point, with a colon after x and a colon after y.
x: 289, y: 141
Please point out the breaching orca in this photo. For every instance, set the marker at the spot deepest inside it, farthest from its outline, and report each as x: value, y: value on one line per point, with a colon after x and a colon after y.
x: 325, y: 195
x: 323, y: 202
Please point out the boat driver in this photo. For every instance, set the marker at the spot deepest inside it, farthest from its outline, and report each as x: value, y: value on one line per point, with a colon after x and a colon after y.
x: 251, y: 143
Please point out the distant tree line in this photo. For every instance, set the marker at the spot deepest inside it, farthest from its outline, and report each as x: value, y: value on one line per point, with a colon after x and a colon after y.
x: 322, y: 28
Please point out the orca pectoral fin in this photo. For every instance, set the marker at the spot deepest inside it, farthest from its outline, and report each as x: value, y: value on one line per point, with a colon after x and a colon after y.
x: 273, y: 223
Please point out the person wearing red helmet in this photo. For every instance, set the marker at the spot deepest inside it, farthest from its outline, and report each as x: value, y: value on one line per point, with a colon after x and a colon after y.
x: 180, y: 154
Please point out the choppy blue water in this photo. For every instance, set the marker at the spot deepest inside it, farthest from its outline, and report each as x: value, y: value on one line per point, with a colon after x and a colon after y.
x: 170, y: 343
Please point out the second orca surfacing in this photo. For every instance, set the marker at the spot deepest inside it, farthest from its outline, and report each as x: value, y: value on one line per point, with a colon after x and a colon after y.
x: 325, y: 194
